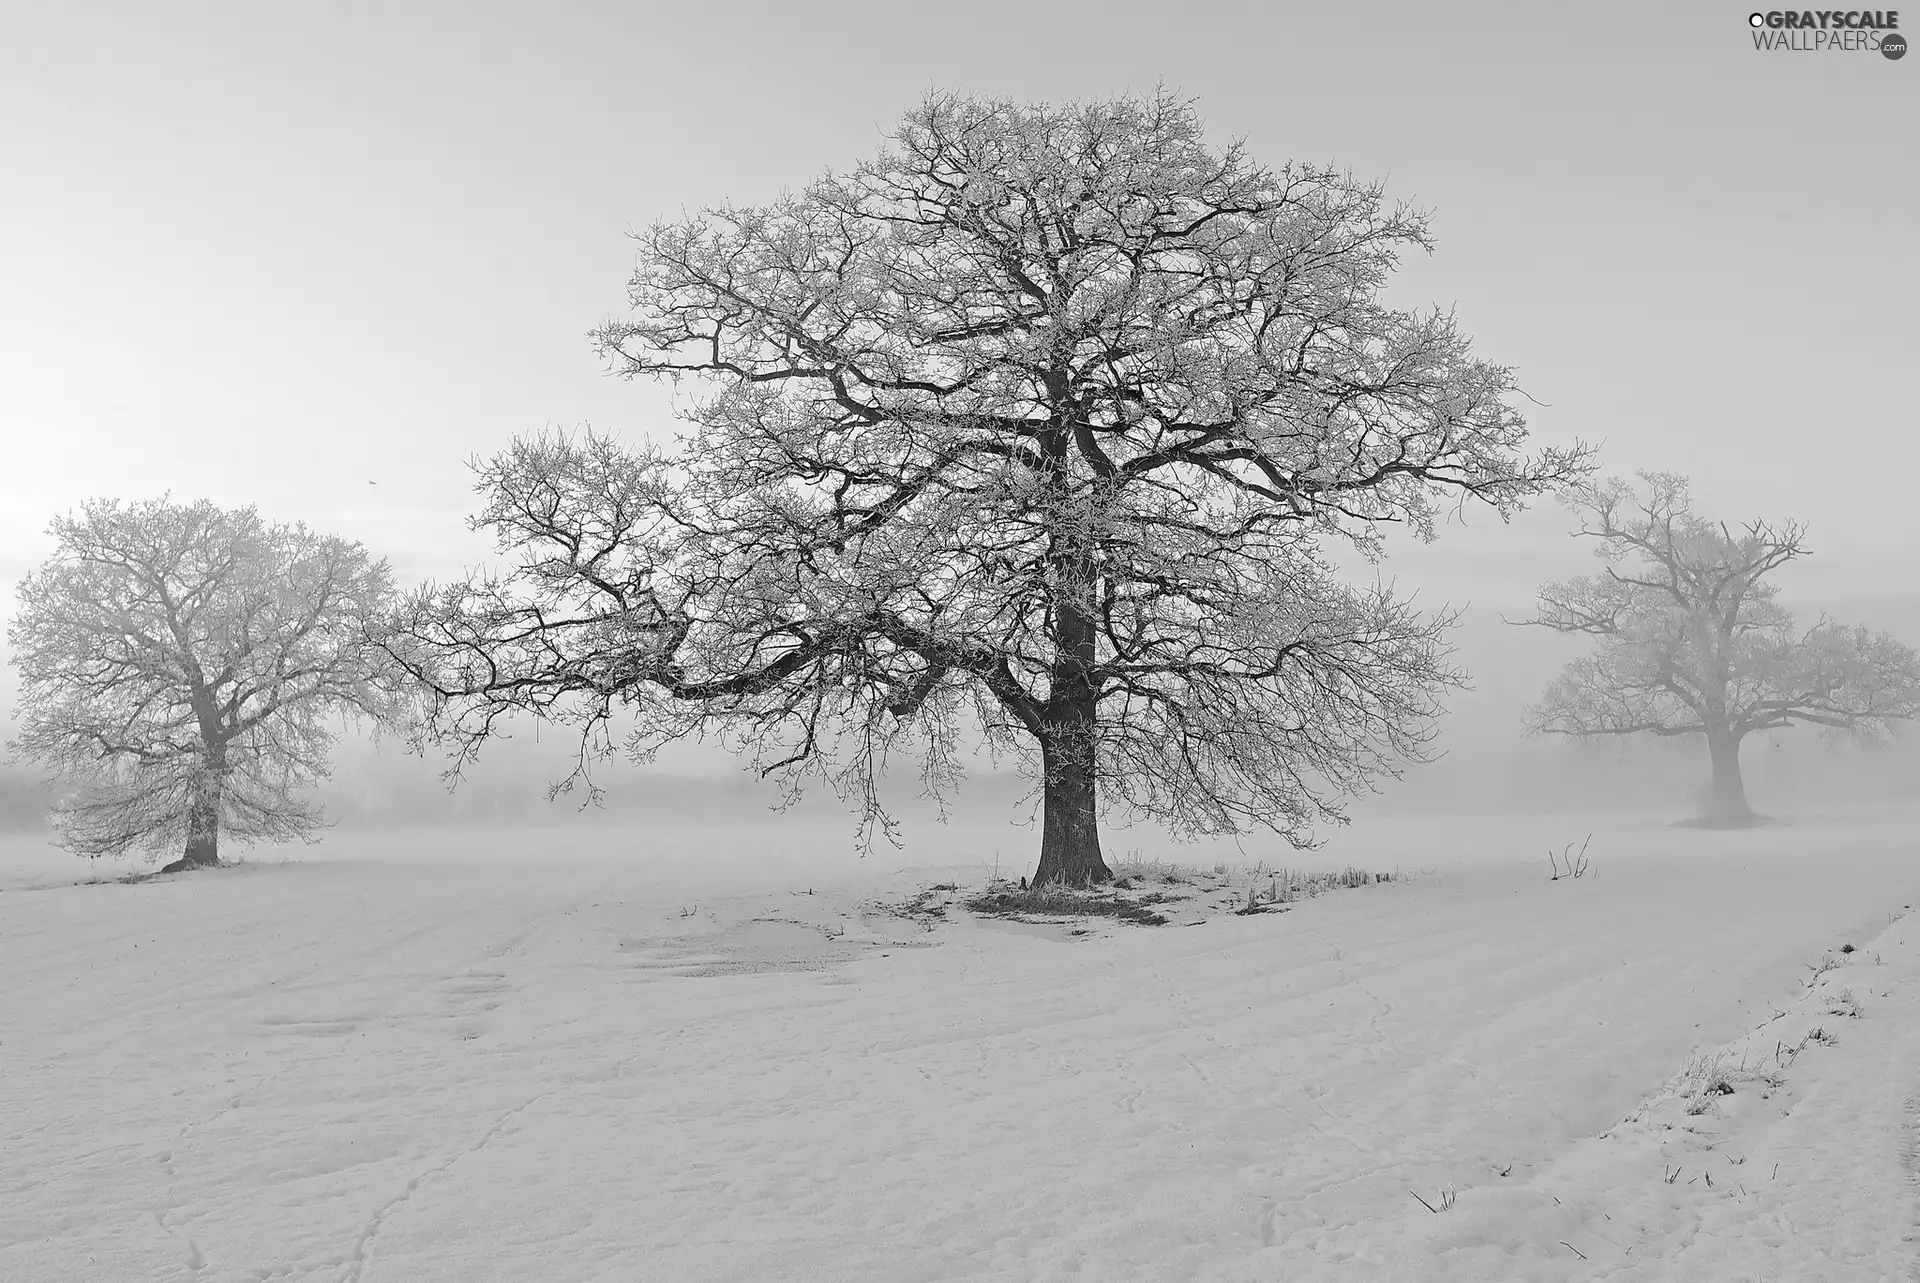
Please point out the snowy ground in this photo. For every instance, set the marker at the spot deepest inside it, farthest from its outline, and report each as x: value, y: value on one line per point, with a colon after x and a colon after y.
x: 580, y: 1056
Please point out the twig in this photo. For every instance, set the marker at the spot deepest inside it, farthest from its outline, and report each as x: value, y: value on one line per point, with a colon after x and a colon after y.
x: 1424, y: 1203
x: 1571, y: 1248
x: 1576, y: 865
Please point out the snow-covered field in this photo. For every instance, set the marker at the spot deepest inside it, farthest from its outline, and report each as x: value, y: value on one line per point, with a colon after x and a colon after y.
x: 691, y: 1056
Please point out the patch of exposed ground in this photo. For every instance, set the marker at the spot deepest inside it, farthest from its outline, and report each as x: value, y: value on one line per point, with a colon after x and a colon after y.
x: 1143, y: 893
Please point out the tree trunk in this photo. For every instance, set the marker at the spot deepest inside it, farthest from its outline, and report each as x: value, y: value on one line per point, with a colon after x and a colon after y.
x: 1729, y: 798
x: 1070, y: 834
x: 203, y: 827
x: 1070, y: 837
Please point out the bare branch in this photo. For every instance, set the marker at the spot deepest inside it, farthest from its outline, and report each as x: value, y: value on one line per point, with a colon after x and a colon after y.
x: 170, y: 653
x: 1030, y: 427
x: 1692, y: 639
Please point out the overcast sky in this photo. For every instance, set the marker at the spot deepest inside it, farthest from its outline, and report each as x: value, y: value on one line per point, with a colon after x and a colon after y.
x: 272, y: 253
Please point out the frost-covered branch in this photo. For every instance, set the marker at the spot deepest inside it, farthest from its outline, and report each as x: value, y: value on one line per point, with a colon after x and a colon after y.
x: 1030, y: 425
x: 1692, y: 641
x: 182, y: 668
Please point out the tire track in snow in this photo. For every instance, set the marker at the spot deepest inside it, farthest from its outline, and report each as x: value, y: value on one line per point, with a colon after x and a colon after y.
x: 196, y: 1255
x: 388, y: 946
x: 363, y: 1247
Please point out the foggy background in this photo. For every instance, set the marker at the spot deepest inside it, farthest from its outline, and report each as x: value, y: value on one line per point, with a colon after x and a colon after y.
x: 314, y: 260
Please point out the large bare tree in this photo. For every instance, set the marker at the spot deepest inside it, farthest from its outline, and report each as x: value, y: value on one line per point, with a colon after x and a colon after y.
x: 1692, y: 640
x: 181, y: 671
x: 1030, y: 427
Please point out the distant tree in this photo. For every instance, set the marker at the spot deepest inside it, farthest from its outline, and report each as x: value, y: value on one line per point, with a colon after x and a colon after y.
x: 1030, y: 427
x: 1693, y: 642
x: 181, y: 669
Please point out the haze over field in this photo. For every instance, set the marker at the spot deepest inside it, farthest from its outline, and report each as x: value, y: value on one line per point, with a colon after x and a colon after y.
x: 1486, y: 767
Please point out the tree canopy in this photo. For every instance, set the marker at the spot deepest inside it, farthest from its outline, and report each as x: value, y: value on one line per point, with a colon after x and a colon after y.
x: 1694, y: 641
x: 182, y: 668
x: 1031, y: 426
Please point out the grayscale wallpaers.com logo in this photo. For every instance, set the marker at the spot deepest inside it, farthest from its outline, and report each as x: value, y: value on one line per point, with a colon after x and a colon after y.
x: 1829, y: 30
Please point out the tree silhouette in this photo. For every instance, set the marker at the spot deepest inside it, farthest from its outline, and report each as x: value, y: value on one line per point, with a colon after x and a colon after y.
x: 180, y: 667
x: 1032, y: 427
x: 1694, y: 642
